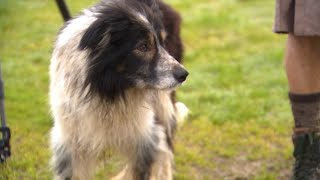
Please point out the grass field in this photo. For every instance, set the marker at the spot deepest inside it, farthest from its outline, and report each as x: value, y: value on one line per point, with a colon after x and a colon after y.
x: 240, y: 121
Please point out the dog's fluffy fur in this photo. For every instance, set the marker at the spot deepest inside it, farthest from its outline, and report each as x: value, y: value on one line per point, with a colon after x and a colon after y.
x: 111, y: 80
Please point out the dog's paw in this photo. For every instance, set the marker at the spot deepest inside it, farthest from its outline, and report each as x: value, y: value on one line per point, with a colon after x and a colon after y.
x: 181, y: 112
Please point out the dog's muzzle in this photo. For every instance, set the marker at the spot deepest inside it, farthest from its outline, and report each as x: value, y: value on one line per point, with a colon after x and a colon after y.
x: 180, y: 74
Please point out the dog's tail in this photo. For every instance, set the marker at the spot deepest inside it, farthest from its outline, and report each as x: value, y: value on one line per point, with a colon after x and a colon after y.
x: 181, y: 112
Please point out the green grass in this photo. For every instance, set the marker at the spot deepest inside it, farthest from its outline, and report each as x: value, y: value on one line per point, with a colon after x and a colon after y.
x: 240, y: 120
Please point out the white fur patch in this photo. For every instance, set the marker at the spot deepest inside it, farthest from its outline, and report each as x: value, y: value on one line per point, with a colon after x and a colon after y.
x: 181, y: 112
x: 143, y: 18
x: 56, y: 135
x: 75, y: 27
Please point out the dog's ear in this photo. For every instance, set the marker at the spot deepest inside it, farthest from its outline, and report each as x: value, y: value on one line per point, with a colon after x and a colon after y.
x: 103, y: 38
x: 94, y: 35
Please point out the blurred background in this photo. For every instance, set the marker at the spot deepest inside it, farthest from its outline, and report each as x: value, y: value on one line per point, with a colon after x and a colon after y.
x: 240, y: 122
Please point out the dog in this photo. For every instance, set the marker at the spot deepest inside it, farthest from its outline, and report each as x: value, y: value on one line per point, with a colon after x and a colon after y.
x: 111, y: 85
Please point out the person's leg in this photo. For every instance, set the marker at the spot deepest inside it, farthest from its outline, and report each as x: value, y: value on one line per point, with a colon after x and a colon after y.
x: 302, y: 64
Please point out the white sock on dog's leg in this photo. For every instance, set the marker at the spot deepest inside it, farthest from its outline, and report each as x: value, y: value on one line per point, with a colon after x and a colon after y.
x: 181, y: 112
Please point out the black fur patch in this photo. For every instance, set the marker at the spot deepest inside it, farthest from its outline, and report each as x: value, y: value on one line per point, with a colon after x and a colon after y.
x: 171, y: 21
x: 110, y: 41
x: 145, y: 157
x: 63, y: 162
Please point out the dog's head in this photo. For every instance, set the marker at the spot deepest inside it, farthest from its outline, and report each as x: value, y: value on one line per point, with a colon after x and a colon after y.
x: 126, y: 50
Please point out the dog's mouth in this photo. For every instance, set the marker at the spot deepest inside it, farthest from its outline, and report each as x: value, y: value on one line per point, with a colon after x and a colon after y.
x: 161, y: 79
x: 176, y: 81
x: 160, y: 85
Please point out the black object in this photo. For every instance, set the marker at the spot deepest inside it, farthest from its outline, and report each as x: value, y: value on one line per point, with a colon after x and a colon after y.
x: 63, y: 10
x: 5, y: 131
x: 307, y: 156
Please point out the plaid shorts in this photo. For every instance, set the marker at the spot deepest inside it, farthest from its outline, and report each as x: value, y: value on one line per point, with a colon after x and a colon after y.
x: 299, y: 17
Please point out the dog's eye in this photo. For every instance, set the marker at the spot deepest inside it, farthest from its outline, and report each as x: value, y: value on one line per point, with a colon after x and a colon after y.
x: 143, y: 47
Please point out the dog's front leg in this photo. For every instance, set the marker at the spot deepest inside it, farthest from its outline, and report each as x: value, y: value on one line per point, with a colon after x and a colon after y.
x: 150, y: 157
x: 153, y: 160
x: 162, y: 167
x: 71, y: 164
x: 144, y: 157
x: 141, y: 156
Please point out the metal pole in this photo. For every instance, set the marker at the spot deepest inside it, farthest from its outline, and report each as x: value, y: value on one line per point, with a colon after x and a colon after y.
x: 63, y: 10
x: 5, y: 140
x: 2, y: 112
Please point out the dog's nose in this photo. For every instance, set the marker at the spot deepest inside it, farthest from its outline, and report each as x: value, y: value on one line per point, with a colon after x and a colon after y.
x: 180, y: 75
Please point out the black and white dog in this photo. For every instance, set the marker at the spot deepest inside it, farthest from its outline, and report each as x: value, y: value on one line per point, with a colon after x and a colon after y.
x: 111, y: 83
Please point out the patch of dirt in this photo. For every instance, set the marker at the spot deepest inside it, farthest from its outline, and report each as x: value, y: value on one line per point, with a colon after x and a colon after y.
x: 240, y: 168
